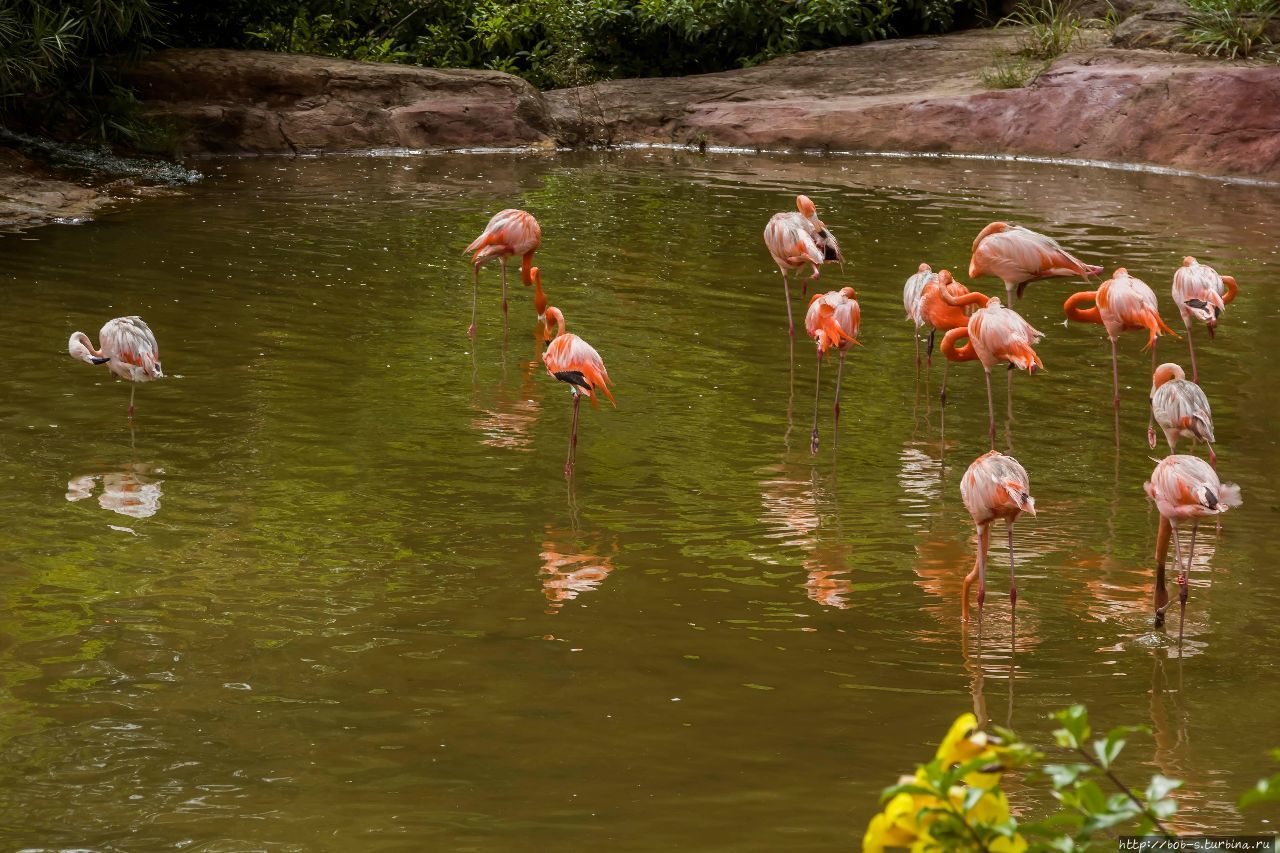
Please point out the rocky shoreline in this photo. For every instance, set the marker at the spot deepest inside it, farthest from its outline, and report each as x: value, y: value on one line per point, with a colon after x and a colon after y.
x: 926, y: 95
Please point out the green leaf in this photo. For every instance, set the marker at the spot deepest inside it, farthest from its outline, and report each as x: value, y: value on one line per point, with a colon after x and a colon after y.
x: 1161, y: 787
x: 1063, y: 775
x: 1264, y: 791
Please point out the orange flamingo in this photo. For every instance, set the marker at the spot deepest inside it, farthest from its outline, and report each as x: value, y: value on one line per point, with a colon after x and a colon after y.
x: 575, y: 362
x: 509, y: 232
x: 796, y: 239
x: 832, y: 321
x: 995, y: 486
x: 945, y: 305
x: 1183, y: 487
x: 1122, y: 303
x: 129, y: 350
x: 1199, y: 292
x: 1018, y: 256
x: 996, y: 335
x: 1181, y: 409
x: 911, y: 292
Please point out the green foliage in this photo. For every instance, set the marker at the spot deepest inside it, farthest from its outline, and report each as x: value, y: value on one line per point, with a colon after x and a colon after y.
x: 1051, y: 28
x: 1231, y: 29
x: 1011, y: 72
x: 1265, y: 791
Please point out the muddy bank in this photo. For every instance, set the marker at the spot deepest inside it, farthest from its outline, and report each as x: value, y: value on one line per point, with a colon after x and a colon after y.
x: 30, y: 195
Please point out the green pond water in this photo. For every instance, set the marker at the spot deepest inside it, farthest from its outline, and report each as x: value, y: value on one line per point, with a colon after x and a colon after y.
x: 332, y: 592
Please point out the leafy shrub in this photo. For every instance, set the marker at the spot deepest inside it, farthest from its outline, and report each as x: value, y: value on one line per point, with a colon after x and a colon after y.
x: 1011, y: 72
x: 1232, y: 29
x: 1051, y: 28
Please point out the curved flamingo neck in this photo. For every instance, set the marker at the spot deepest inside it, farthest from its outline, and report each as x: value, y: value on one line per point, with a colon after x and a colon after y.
x: 972, y: 297
x: 555, y: 316
x: 1229, y: 282
x: 954, y: 353
x: 539, y: 297
x: 1083, y: 315
x: 526, y: 268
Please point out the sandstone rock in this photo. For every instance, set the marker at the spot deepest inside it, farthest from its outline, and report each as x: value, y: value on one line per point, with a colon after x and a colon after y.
x: 1159, y: 26
x: 29, y: 196
x: 252, y: 102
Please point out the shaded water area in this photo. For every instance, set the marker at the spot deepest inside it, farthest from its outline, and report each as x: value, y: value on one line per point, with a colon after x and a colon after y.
x: 331, y: 592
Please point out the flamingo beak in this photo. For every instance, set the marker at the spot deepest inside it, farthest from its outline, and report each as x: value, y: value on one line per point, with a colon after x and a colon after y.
x: 93, y: 360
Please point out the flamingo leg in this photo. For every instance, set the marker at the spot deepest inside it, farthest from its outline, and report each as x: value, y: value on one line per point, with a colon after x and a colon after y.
x: 973, y: 573
x: 929, y: 349
x: 504, y: 287
x: 573, y: 436
x: 475, y: 287
x: 817, y: 392
x: 1160, y: 598
x: 1115, y: 376
x: 132, y: 388
x: 786, y: 293
x: 839, y: 379
x: 991, y: 409
x: 1013, y: 580
x: 1184, y: 578
x: 915, y: 336
x: 943, y: 395
x: 982, y: 566
x: 1177, y: 560
x: 1195, y: 372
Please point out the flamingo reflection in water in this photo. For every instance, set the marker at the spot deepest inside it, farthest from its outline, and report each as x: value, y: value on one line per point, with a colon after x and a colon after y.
x: 131, y: 491
x: 572, y: 565
x: 507, y: 421
x: 791, y: 504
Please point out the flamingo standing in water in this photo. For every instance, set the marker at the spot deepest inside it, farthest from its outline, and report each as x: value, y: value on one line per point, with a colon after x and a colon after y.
x: 796, y: 239
x: 542, y: 330
x: 1199, y: 292
x: 832, y: 321
x: 996, y: 335
x: 944, y: 305
x: 1122, y: 303
x: 1183, y: 487
x: 129, y: 349
x: 576, y: 363
x: 995, y: 486
x: 911, y: 291
x: 1018, y: 255
x: 1181, y: 409
x: 509, y: 232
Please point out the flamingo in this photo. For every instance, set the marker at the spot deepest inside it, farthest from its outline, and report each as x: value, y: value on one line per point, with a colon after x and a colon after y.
x: 995, y: 486
x: 1018, y: 256
x: 575, y: 362
x: 832, y: 321
x: 796, y: 239
x: 129, y: 349
x: 996, y: 335
x: 542, y: 331
x: 1122, y: 303
x: 1199, y: 292
x: 1181, y: 409
x: 944, y: 305
x: 911, y: 291
x: 1184, y: 487
x: 509, y: 232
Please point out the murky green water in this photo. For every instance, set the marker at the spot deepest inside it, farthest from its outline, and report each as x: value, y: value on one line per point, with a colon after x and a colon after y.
x: 332, y: 593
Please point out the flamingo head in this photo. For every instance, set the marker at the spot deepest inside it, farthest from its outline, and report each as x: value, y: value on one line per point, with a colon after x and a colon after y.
x: 81, y: 348
x: 924, y: 268
x: 944, y: 277
x: 1166, y: 372
x: 1020, y: 497
x: 1205, y: 311
x: 994, y: 302
x: 805, y: 206
x: 848, y: 293
x: 1189, y: 261
x: 552, y: 315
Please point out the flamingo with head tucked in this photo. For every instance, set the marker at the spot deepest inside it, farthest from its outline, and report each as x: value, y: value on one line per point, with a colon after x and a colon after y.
x: 832, y: 321
x: 946, y: 304
x: 911, y: 292
x: 1181, y: 409
x: 994, y: 487
x: 798, y: 238
x: 1018, y: 256
x: 997, y: 335
x: 1183, y: 487
x: 575, y: 362
x: 1201, y: 293
x: 129, y: 350
x: 509, y: 232
x: 1122, y: 303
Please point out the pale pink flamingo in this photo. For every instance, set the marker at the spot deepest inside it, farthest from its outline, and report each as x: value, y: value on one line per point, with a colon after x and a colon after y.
x: 1181, y: 409
x: 911, y: 292
x: 1199, y: 292
x: 995, y: 486
x: 1122, y: 303
x: 129, y: 350
x: 1018, y: 255
x: 946, y: 304
x: 576, y: 363
x: 509, y: 232
x: 832, y: 321
x: 997, y: 335
x: 1184, y: 487
x: 799, y: 238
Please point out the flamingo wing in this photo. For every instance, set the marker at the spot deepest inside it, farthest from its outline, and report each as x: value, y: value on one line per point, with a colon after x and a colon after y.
x: 129, y: 341
x: 790, y: 240
x: 571, y: 359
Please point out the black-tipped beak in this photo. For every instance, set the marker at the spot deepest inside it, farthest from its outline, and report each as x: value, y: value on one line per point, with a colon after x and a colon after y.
x: 99, y: 360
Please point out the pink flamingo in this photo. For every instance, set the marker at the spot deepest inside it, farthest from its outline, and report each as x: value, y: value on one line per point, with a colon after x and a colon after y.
x: 1199, y: 292
x: 1018, y: 255
x: 997, y: 335
x: 945, y: 304
x: 911, y: 292
x: 1122, y: 303
x: 1181, y: 409
x: 1184, y: 487
x: 995, y: 486
x: 832, y: 321
x: 509, y: 232
x: 129, y: 349
x: 796, y: 239
x: 576, y: 363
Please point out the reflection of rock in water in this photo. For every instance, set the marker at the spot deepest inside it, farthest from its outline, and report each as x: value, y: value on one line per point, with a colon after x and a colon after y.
x: 570, y: 568
x: 130, y: 492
